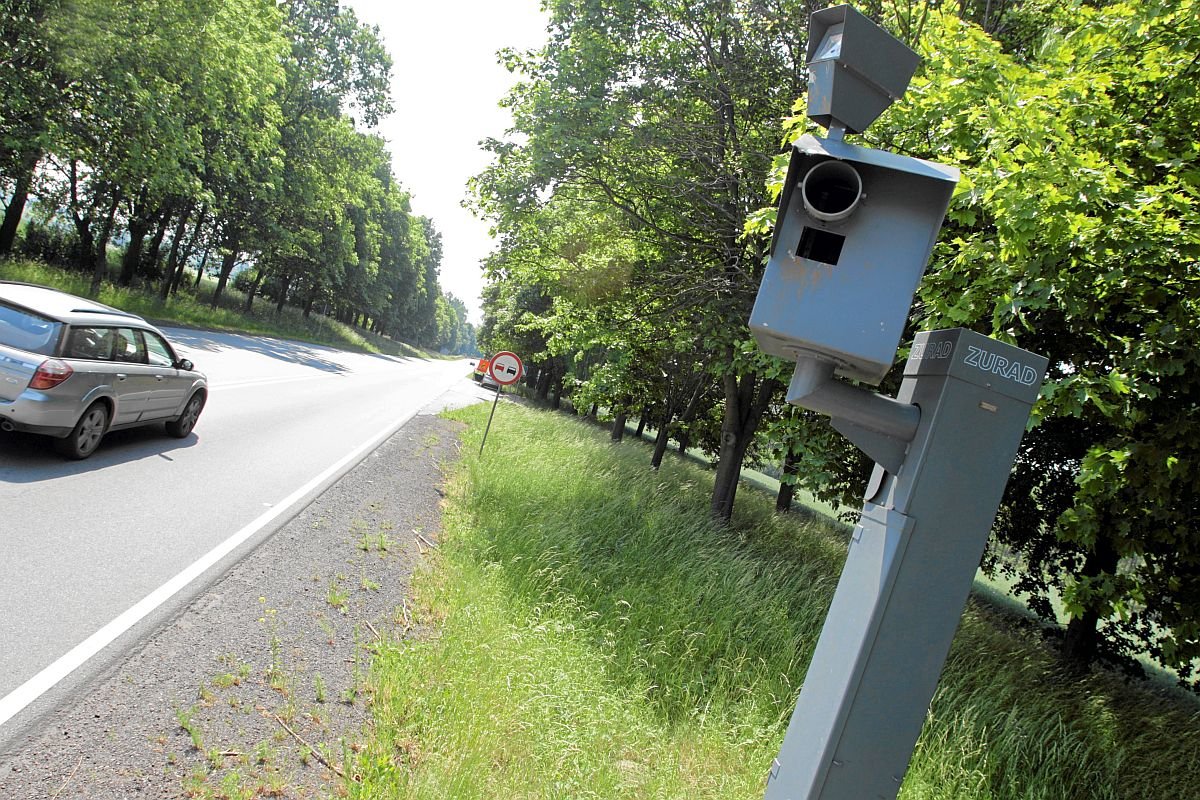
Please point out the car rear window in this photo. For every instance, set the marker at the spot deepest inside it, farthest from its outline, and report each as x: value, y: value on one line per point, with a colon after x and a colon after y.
x: 25, y: 330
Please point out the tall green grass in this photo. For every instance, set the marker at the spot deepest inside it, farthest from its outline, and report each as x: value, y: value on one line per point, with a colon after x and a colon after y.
x: 192, y: 307
x: 591, y: 634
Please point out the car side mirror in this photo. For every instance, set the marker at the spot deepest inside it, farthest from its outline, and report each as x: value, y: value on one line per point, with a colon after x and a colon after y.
x: 185, y: 365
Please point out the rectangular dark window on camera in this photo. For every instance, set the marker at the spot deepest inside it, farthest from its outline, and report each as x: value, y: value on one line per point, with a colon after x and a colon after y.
x: 819, y: 245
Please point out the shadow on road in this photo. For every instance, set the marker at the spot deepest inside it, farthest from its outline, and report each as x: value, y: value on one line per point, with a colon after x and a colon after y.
x: 26, y: 458
x: 303, y: 353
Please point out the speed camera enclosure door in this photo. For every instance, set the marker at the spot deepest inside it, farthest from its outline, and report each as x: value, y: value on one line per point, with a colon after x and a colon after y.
x: 840, y: 290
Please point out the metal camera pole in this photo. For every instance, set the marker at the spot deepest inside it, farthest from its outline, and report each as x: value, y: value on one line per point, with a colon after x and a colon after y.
x: 912, y: 559
x: 854, y: 232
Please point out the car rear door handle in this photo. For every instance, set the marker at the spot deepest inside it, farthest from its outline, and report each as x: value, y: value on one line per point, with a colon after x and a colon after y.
x: 121, y: 376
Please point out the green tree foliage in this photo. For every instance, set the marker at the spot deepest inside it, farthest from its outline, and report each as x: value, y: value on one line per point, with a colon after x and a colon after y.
x: 229, y: 127
x: 648, y: 130
x: 331, y: 61
x: 123, y: 132
x: 455, y: 333
x: 31, y: 89
x: 1074, y: 234
x: 1094, y: 194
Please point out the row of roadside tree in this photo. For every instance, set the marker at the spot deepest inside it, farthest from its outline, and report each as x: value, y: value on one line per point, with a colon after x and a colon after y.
x: 634, y: 203
x: 225, y: 136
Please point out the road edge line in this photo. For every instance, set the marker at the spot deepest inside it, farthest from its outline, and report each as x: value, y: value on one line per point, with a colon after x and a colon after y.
x: 50, y: 676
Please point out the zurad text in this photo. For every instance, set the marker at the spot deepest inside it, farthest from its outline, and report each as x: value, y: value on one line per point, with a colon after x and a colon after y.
x: 999, y: 365
x: 929, y: 350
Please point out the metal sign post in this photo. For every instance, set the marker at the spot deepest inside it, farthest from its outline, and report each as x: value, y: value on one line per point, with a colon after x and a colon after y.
x: 505, y: 369
x: 489, y: 425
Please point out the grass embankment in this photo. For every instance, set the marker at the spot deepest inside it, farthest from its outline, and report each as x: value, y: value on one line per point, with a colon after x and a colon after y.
x: 192, y: 308
x: 593, y: 635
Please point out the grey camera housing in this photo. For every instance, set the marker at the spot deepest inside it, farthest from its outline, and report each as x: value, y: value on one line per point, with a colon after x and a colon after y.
x: 847, y: 254
x: 856, y: 69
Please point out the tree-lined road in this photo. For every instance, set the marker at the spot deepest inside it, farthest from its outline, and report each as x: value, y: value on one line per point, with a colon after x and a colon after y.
x: 84, y: 542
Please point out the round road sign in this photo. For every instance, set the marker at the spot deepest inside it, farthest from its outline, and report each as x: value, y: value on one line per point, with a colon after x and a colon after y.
x: 505, y: 368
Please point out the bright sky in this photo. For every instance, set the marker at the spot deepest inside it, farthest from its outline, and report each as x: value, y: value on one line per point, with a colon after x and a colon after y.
x: 446, y: 86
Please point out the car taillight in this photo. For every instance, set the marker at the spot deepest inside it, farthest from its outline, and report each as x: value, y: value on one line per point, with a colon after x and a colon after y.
x: 51, y: 373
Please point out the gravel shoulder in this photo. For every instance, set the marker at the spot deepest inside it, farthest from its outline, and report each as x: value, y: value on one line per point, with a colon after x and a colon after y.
x: 256, y: 688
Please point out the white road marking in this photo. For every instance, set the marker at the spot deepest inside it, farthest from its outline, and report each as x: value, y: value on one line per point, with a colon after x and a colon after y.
x: 16, y: 700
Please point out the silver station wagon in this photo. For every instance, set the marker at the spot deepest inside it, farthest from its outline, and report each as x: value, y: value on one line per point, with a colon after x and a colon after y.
x: 75, y: 369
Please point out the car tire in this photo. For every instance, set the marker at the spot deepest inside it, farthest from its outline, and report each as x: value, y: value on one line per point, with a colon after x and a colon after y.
x: 85, y: 437
x: 181, y: 427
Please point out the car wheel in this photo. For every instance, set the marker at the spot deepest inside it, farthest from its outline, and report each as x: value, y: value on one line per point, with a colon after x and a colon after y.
x: 85, y: 437
x: 181, y: 427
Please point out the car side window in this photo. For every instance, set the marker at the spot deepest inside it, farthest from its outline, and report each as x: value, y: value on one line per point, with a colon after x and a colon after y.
x: 129, y: 347
x: 94, y: 344
x: 157, y: 350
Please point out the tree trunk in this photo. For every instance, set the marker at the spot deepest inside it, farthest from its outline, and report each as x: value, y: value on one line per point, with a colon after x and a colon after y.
x: 1082, y: 642
x: 618, y: 427
x: 661, y: 440
x: 139, y: 226
x: 284, y: 286
x: 200, y: 269
x: 100, y: 245
x: 228, y: 262
x: 787, y: 488
x: 87, y: 245
x: 83, y: 224
x: 186, y: 256
x: 149, y: 264
x: 174, y: 263
x: 22, y: 182
x: 259, y: 275
x: 690, y: 411
x: 641, y: 428
x: 734, y: 442
x: 745, y: 401
x: 556, y: 402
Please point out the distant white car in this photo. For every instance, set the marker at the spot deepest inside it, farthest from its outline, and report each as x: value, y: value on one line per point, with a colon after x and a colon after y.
x: 75, y: 369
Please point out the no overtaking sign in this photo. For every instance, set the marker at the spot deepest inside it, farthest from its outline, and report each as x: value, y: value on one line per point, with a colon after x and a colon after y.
x: 505, y: 369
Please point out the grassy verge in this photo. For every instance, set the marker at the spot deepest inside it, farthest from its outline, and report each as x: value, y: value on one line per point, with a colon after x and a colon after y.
x: 192, y: 308
x: 596, y: 637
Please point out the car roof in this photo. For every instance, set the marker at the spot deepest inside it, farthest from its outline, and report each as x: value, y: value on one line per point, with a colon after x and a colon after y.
x: 64, y: 307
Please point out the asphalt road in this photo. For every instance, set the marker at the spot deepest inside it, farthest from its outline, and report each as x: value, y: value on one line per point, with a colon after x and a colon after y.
x: 87, y: 549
